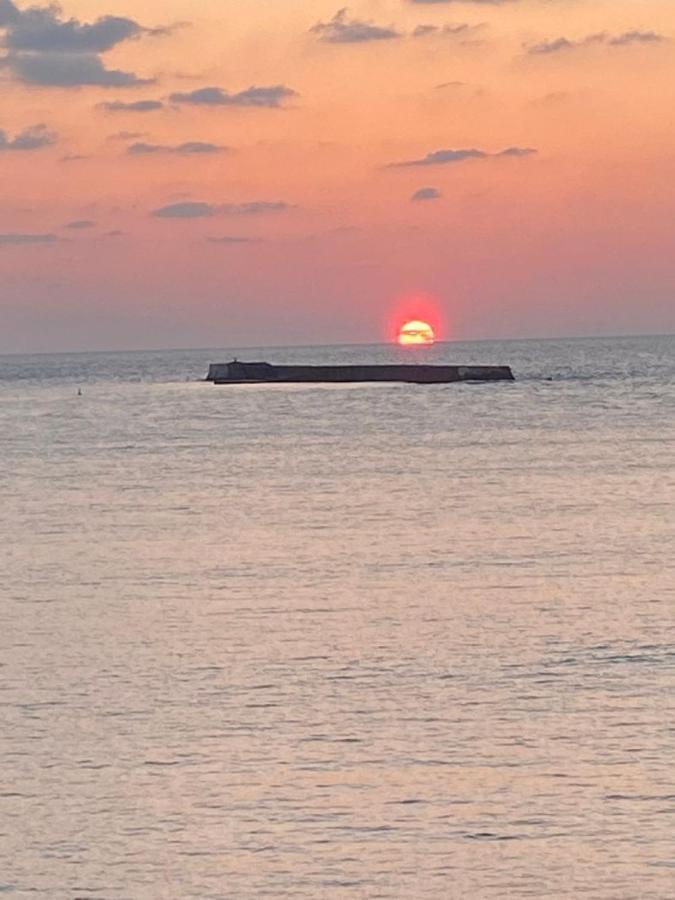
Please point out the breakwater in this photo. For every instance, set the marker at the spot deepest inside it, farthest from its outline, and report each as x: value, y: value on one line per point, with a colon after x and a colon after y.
x: 237, y: 372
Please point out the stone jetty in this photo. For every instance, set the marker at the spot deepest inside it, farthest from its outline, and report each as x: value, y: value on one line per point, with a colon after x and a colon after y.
x: 237, y: 372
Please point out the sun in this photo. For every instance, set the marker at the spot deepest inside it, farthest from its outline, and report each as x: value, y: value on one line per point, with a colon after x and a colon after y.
x: 416, y: 332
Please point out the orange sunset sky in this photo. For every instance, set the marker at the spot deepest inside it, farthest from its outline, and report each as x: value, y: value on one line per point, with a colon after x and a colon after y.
x: 228, y: 173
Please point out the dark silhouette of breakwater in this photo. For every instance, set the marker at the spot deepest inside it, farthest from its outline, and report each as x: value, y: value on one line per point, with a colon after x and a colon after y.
x: 237, y: 372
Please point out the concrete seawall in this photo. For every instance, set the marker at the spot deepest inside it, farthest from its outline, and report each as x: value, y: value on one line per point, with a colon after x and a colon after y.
x: 262, y: 372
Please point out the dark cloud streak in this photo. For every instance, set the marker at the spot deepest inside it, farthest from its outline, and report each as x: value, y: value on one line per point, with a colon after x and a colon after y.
x: 132, y: 106
x: 197, y: 209
x: 562, y: 44
x: 426, y: 193
x: 270, y: 97
x: 459, y: 30
x: 14, y: 237
x: 447, y: 157
x: 233, y: 239
x: 185, y: 149
x: 185, y: 210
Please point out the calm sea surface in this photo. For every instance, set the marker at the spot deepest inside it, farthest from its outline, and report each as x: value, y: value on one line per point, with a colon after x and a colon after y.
x: 351, y: 641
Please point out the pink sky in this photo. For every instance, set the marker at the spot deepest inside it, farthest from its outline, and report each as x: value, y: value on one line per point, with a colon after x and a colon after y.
x: 294, y: 173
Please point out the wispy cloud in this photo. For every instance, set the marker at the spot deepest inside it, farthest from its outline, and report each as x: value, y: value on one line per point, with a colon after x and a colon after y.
x: 270, y: 97
x: 16, y: 237
x: 458, y: 30
x: 254, y: 208
x: 342, y: 29
x: 552, y: 98
x: 448, y: 157
x: 636, y: 37
x: 426, y: 193
x: 185, y: 149
x: 132, y: 105
x: 126, y: 135
x: 190, y: 209
x: 233, y: 239
x: 517, y: 152
x: 31, y: 138
x: 562, y: 44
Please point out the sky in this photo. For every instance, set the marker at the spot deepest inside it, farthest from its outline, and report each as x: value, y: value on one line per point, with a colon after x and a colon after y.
x: 234, y: 173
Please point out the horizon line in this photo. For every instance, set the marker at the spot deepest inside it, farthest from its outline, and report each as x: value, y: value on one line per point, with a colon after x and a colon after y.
x: 382, y: 343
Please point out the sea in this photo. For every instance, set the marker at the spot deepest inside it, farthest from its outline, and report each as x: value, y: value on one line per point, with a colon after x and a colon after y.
x: 346, y: 641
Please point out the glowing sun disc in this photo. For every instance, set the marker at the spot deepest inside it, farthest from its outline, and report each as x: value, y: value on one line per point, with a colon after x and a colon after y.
x: 416, y: 332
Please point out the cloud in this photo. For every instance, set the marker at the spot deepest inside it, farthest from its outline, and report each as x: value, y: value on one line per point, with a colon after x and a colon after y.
x: 126, y: 135
x: 553, y: 98
x: 8, y: 13
x: 553, y: 46
x: 39, y: 29
x: 185, y: 210
x: 343, y: 30
x: 427, y: 193
x: 233, y: 239
x: 14, y: 237
x: 68, y: 70
x: 517, y: 152
x: 270, y: 97
x: 441, y: 157
x: 254, y: 208
x: 80, y: 224
x: 460, y: 29
x: 45, y: 48
x: 185, y: 149
x: 636, y: 37
x: 132, y: 106
x: 561, y: 44
x: 43, y: 29
x: 190, y: 209
x: 31, y: 138
x: 445, y: 157
x: 188, y: 147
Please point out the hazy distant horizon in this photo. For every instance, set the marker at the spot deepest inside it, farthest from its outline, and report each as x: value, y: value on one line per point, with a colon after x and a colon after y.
x: 335, y: 344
